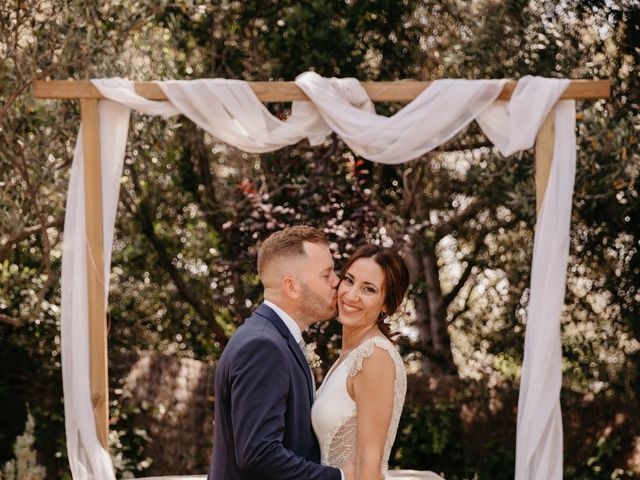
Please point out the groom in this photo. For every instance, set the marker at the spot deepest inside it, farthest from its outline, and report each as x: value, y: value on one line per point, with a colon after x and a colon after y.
x: 263, y: 385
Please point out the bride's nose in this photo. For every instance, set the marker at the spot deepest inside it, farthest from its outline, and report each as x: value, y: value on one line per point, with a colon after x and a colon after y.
x: 350, y: 293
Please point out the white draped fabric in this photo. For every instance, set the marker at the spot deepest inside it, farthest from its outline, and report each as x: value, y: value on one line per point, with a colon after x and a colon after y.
x: 230, y: 111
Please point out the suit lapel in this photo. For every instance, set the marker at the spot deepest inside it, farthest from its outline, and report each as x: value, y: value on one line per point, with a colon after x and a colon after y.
x: 302, y: 361
x: 264, y: 311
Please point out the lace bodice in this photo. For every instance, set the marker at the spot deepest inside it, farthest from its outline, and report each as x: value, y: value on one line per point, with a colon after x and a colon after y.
x: 334, y: 413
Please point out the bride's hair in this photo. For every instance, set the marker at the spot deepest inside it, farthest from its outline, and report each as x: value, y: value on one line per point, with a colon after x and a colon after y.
x: 396, y: 278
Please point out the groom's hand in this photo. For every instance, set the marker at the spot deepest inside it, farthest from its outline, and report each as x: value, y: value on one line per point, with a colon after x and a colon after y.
x: 349, y: 471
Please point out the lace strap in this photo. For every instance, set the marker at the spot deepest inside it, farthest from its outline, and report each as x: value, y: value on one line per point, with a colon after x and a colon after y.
x: 365, y: 350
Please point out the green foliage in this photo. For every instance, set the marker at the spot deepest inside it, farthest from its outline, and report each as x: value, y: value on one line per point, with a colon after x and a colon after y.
x: 127, y: 439
x: 427, y: 436
x: 603, y: 463
x: 430, y: 437
x: 25, y: 465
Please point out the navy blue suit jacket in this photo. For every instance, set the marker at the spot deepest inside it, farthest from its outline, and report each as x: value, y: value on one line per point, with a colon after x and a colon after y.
x: 263, y: 402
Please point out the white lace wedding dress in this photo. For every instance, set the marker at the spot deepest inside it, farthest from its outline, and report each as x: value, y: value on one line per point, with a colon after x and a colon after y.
x: 334, y: 415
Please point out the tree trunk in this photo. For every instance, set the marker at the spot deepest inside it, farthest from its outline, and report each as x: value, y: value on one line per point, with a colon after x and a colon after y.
x: 440, y: 341
x: 431, y: 315
x: 431, y: 312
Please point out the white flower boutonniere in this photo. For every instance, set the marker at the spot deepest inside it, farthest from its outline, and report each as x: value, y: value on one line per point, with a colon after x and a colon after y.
x: 313, y: 359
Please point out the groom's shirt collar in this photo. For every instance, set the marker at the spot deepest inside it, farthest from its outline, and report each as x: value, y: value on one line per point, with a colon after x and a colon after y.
x: 288, y: 321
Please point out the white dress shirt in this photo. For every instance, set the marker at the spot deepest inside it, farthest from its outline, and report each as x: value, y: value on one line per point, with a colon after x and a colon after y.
x: 288, y: 321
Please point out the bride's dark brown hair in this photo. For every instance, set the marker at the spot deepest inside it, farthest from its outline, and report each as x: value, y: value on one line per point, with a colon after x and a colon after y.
x: 396, y: 278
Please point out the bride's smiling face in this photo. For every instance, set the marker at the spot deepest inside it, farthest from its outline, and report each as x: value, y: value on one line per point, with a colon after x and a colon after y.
x: 361, y: 293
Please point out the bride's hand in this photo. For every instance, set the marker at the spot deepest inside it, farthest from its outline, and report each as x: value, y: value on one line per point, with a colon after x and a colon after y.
x: 349, y: 471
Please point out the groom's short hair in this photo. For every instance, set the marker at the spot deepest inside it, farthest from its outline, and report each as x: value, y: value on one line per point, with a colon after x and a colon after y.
x: 288, y: 243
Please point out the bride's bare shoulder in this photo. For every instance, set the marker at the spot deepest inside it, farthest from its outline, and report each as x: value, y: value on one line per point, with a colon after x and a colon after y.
x: 374, y: 359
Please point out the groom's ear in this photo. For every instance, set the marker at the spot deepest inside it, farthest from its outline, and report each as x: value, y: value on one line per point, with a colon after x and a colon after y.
x: 291, y: 287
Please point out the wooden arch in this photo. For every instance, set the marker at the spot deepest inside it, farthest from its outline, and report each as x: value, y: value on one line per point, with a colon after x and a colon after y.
x: 399, y: 91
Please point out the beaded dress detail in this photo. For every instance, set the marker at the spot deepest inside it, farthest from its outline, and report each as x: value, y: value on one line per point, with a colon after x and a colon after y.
x: 334, y: 415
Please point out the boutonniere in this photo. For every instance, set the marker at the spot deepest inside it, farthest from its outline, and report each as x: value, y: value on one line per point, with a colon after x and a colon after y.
x: 313, y: 359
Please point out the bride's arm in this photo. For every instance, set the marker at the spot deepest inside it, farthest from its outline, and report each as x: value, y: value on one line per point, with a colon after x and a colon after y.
x: 372, y: 390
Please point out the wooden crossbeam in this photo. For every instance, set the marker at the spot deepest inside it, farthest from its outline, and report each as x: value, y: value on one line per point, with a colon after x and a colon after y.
x: 401, y: 91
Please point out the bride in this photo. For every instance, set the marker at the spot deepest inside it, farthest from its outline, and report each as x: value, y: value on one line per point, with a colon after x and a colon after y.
x: 358, y: 406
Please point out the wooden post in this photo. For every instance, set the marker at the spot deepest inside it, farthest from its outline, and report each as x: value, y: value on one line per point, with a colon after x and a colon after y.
x: 95, y: 267
x: 544, y: 156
